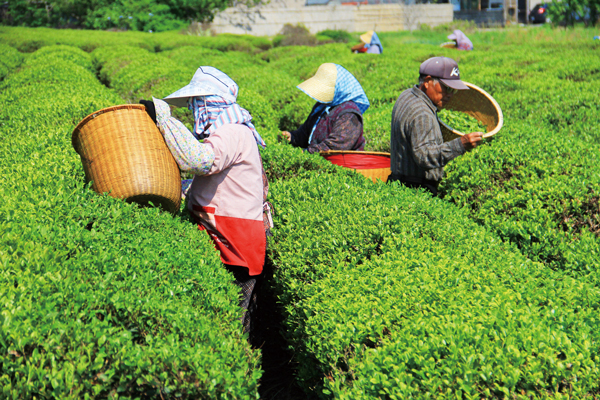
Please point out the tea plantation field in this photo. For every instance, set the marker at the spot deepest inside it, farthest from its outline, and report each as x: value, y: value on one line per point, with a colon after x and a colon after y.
x: 491, y: 290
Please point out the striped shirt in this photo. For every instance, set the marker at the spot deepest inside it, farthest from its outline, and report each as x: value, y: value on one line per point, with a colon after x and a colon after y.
x: 417, y: 147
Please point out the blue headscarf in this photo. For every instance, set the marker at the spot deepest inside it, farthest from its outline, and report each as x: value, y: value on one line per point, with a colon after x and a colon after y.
x: 375, y: 42
x: 347, y: 88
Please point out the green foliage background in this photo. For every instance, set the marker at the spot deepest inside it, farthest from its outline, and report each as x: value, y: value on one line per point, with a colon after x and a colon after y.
x: 137, y: 15
x: 490, y: 291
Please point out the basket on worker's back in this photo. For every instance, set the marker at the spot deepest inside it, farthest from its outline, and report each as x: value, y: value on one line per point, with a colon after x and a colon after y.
x: 124, y: 154
x: 477, y: 103
x: 372, y: 164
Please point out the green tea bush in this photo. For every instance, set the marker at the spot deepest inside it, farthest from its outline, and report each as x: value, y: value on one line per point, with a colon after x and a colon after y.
x: 10, y: 59
x: 57, y: 54
x: 487, y: 292
x: 392, y: 294
x: 257, y: 42
x: 101, y: 298
x: 376, y: 125
x: 133, y: 72
x: 28, y: 40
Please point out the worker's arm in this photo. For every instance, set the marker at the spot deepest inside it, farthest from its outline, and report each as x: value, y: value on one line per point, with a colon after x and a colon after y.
x: 189, y: 153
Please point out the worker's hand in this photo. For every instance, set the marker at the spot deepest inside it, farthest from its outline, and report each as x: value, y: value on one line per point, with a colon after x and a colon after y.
x: 471, y: 140
x: 149, y: 104
x: 286, y: 135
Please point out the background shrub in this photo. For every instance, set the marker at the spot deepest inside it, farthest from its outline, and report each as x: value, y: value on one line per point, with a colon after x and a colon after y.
x: 144, y: 15
x: 336, y: 35
x: 294, y: 35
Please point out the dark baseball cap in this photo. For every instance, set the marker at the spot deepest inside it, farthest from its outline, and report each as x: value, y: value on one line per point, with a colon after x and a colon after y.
x: 445, y: 69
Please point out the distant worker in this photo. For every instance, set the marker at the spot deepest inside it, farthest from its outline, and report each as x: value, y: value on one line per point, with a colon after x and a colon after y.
x: 335, y: 122
x: 369, y: 43
x: 418, y: 151
x: 461, y: 40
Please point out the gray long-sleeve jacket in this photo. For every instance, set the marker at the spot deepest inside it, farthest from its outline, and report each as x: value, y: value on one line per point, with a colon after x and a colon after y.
x: 417, y: 147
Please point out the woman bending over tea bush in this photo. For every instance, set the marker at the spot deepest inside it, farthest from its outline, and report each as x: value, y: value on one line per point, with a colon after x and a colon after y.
x: 229, y: 187
x: 335, y: 122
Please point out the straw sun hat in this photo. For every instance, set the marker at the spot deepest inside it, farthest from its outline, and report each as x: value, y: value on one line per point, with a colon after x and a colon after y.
x: 321, y: 87
x: 366, y: 37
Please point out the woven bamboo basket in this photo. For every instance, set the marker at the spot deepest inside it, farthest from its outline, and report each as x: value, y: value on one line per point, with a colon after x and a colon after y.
x: 477, y: 103
x: 448, y: 45
x: 374, y: 174
x: 124, y: 154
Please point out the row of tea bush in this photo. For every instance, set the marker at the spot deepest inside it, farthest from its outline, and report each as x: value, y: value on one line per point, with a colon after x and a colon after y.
x: 332, y: 233
x: 387, y: 292
x: 100, y: 298
x: 550, y: 121
x: 392, y: 294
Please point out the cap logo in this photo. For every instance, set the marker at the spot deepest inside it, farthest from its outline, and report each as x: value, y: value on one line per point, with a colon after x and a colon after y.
x: 454, y: 72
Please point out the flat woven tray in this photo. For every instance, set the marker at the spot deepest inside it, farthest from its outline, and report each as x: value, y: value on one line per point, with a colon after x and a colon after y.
x: 124, y: 154
x: 448, y: 45
x: 477, y: 103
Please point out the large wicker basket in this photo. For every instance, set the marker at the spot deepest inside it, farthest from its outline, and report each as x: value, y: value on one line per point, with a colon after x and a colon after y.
x: 124, y: 155
x: 477, y: 103
x: 371, y: 164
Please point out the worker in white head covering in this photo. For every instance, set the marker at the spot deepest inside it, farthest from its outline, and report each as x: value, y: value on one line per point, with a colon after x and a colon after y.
x: 228, y: 192
x: 461, y: 40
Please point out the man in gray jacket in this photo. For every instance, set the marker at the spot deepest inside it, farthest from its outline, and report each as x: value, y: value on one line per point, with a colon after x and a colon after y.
x: 418, y: 151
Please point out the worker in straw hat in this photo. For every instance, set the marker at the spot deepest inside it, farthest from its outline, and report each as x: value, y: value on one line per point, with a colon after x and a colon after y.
x: 418, y: 152
x: 228, y: 191
x: 335, y: 122
x: 369, y: 43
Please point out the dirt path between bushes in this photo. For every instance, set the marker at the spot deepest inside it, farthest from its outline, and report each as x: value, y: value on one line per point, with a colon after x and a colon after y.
x: 278, y: 381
